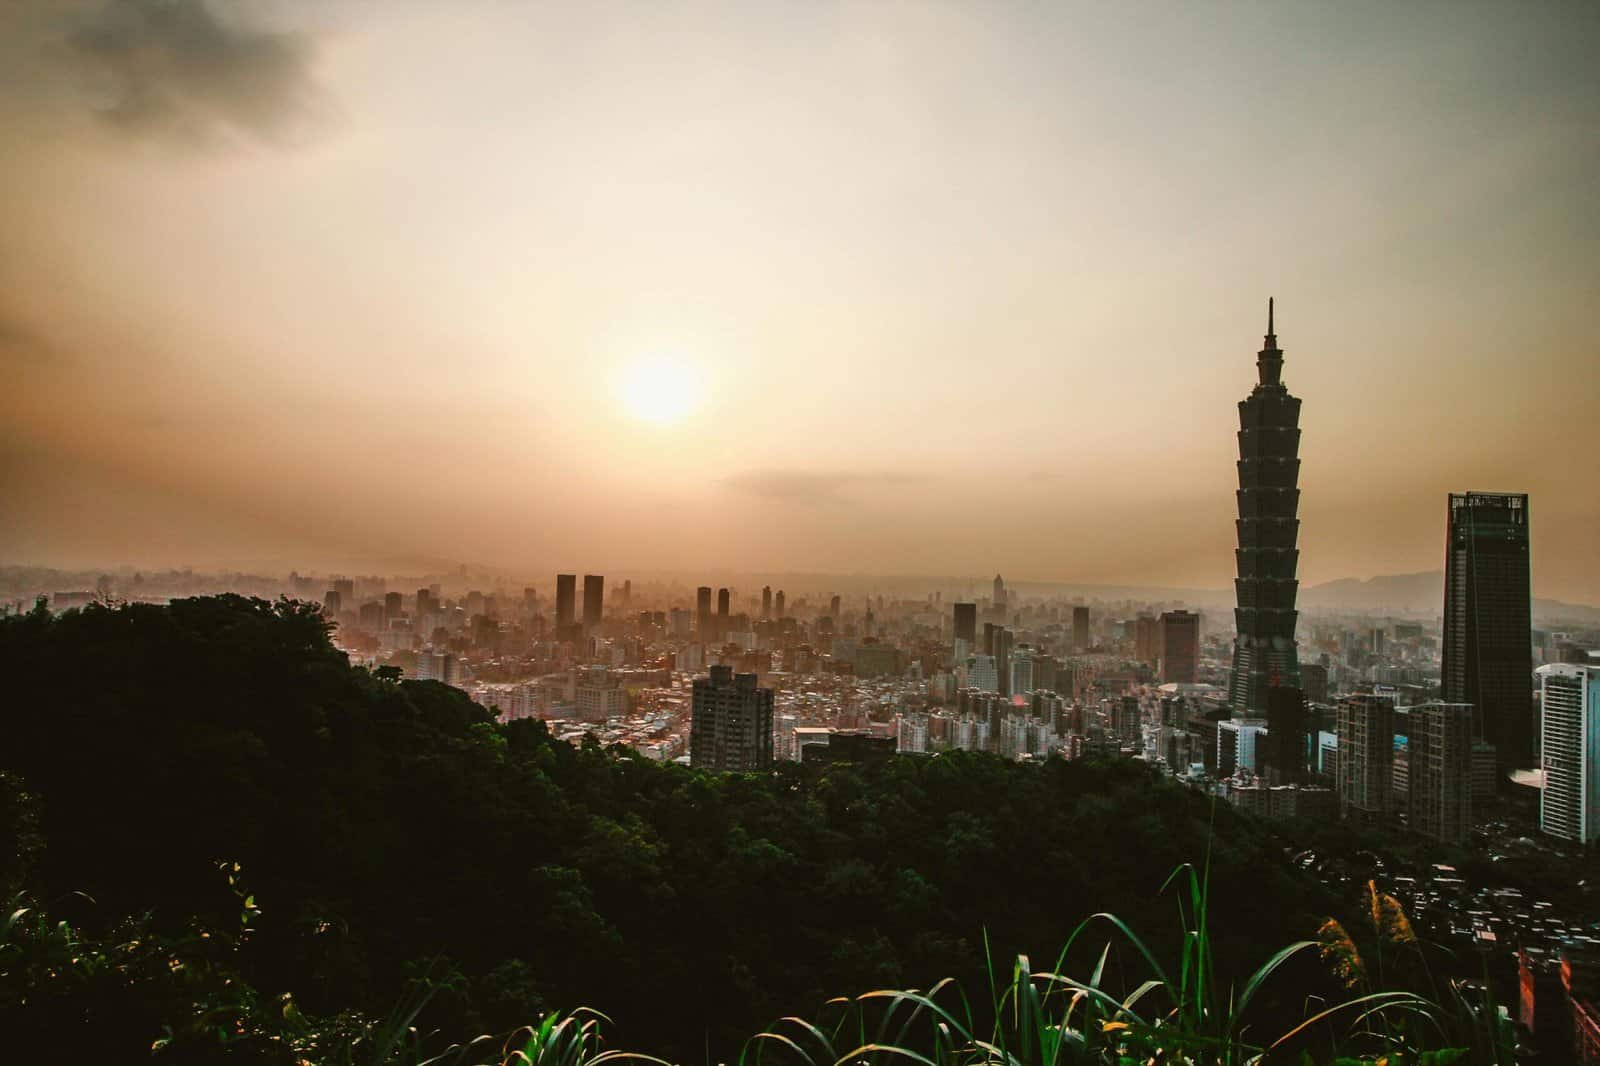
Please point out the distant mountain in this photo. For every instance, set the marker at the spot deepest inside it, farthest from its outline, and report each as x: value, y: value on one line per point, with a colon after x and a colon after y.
x: 1406, y: 593
x: 1421, y: 593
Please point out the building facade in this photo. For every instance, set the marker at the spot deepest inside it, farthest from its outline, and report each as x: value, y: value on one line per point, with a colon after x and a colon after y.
x: 1569, y: 805
x: 1180, y: 647
x: 1439, y: 754
x: 594, y: 600
x: 1487, y: 654
x: 731, y: 724
x: 1365, y: 765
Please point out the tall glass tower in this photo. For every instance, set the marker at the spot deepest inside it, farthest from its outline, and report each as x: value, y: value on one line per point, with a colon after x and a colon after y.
x: 1487, y: 653
x: 1264, y: 655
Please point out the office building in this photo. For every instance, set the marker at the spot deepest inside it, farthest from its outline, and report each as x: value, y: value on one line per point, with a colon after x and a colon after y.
x: 566, y: 601
x: 598, y: 696
x: 1022, y: 671
x: 965, y: 618
x: 704, y: 625
x: 1239, y: 744
x: 1366, y: 756
x: 1264, y: 651
x: 1569, y: 806
x: 1439, y: 754
x: 594, y: 600
x: 999, y: 592
x: 777, y: 604
x: 1146, y: 642
x: 1285, y: 753
x: 731, y: 724
x: 1487, y: 654
x: 1002, y: 644
x: 1080, y: 627
x: 722, y: 614
x: 981, y: 673
x: 766, y: 601
x: 1180, y: 647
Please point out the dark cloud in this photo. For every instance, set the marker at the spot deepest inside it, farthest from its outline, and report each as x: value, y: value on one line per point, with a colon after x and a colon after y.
x: 174, y: 68
x: 811, y: 487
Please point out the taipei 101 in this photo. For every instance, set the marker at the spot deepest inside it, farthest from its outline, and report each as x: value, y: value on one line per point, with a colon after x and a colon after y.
x: 847, y: 533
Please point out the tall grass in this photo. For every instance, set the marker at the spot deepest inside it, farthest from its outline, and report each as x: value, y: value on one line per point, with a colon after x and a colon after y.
x: 1050, y: 1018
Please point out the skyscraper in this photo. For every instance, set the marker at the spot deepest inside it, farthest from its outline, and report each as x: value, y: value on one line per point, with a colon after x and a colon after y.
x: 566, y: 601
x: 594, y: 600
x: 731, y: 724
x: 1439, y: 758
x: 766, y: 601
x: 722, y: 614
x: 1180, y: 647
x: 1366, y: 755
x: 777, y: 604
x: 1487, y: 656
x: 1287, y: 743
x: 1002, y: 644
x: 702, y: 613
x: 965, y: 617
x: 1264, y: 652
x: 999, y: 591
x: 1569, y: 805
x: 1145, y: 646
x: 1080, y: 627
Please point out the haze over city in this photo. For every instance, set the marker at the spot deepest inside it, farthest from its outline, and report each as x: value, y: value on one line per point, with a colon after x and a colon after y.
x: 870, y: 288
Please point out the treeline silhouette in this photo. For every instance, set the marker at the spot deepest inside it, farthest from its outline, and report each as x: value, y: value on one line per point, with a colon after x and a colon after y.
x: 386, y: 830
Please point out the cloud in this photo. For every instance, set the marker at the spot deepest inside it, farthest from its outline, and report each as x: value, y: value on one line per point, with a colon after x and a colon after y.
x: 175, y: 69
x: 812, y: 487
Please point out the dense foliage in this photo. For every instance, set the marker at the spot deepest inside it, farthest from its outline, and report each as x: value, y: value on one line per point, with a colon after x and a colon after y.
x: 386, y: 829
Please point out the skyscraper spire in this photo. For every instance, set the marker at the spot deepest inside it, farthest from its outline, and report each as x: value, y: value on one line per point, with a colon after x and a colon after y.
x: 1269, y: 361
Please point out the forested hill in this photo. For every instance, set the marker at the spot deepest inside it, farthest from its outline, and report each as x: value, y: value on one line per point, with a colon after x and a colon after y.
x: 380, y: 824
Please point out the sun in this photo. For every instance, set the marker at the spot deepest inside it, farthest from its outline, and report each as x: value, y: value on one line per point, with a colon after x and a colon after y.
x: 661, y: 389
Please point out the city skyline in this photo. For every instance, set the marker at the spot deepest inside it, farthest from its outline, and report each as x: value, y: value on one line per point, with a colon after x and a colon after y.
x: 476, y: 285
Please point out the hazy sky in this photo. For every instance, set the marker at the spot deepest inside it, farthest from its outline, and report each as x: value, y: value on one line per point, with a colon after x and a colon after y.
x: 963, y: 287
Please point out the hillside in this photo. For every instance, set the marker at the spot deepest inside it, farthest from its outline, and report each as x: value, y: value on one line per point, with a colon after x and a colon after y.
x: 385, y: 826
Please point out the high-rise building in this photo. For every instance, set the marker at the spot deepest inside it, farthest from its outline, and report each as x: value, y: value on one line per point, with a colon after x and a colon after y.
x: 1487, y: 654
x: 1080, y: 627
x: 1145, y: 641
x: 833, y: 607
x: 1439, y: 754
x: 1569, y: 806
x: 966, y: 623
x: 1003, y: 641
x: 1287, y: 744
x: 722, y: 614
x: 566, y: 601
x: 999, y: 591
x: 1366, y: 755
x: 731, y: 727
x: 1022, y: 680
x: 777, y: 604
x: 981, y: 673
x: 766, y: 601
x: 1180, y: 647
x: 594, y: 600
x: 1264, y: 651
x: 702, y: 613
